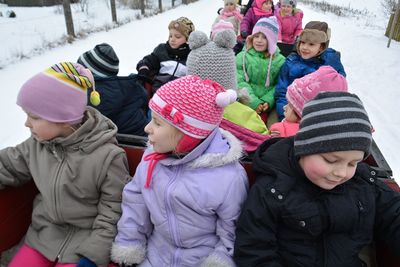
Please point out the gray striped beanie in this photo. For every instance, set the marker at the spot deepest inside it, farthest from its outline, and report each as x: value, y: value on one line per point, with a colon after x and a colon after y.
x: 102, y: 60
x: 333, y: 121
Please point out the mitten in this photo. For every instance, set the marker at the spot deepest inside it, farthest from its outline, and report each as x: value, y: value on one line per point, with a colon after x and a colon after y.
x: 244, y: 34
x: 144, y: 74
x: 85, y: 262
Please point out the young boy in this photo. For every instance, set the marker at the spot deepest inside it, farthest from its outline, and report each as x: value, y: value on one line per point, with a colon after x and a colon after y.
x: 168, y: 60
x: 314, y: 203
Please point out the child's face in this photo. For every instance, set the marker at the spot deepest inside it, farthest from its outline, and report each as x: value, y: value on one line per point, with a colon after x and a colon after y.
x: 230, y: 7
x: 328, y: 170
x: 287, y: 9
x: 309, y: 50
x: 260, y: 42
x: 290, y: 114
x: 176, y: 39
x: 43, y: 130
x: 266, y: 6
x: 162, y: 136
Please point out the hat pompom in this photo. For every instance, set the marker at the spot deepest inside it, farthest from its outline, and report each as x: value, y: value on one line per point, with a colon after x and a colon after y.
x: 223, y: 99
x: 197, y: 39
x: 225, y: 38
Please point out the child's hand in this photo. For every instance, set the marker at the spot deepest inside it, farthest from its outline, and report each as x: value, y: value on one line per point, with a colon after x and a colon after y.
x: 265, y: 107
x: 275, y: 134
x: 259, y: 109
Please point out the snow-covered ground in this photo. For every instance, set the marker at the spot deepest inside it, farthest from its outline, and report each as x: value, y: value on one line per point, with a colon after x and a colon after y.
x: 373, y: 70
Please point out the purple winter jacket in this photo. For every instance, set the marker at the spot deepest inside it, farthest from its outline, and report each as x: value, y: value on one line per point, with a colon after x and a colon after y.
x: 250, y: 19
x: 187, y: 216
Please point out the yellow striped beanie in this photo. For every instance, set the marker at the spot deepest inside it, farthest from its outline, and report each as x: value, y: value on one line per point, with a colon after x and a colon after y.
x: 58, y: 94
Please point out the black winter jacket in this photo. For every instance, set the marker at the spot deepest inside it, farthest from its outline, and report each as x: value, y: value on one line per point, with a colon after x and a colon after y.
x: 124, y: 101
x: 165, y: 64
x: 288, y: 221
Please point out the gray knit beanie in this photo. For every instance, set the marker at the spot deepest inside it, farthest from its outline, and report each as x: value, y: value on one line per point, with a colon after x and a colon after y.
x: 333, y: 121
x: 213, y: 60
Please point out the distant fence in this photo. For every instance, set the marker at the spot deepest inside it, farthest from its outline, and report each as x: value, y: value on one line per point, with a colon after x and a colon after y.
x: 396, y: 30
x: 29, y: 3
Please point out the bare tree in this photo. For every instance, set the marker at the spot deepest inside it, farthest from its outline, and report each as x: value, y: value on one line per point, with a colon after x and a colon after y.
x: 142, y: 7
x: 160, y: 5
x: 113, y: 11
x: 173, y: 3
x: 68, y: 19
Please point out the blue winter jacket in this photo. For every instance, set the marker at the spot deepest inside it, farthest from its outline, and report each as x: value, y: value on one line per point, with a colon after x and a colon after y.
x: 124, y: 101
x: 187, y: 217
x: 296, y: 67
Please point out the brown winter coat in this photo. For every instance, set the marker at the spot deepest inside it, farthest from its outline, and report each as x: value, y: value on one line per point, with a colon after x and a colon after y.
x: 80, y: 180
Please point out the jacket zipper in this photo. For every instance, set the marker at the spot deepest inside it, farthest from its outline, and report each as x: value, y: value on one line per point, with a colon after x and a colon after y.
x: 64, y: 244
x: 172, y: 218
x: 56, y: 182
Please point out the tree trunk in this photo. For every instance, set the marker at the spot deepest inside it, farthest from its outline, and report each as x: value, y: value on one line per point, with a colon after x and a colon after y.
x: 142, y: 7
x: 160, y: 5
x: 173, y: 3
x: 113, y: 11
x: 68, y: 19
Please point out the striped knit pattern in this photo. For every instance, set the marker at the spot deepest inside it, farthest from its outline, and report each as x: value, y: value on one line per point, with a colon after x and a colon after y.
x: 66, y: 72
x: 333, y: 121
x: 189, y: 104
x: 102, y: 60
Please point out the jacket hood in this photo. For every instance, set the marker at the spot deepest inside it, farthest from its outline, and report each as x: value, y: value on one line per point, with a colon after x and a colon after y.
x: 218, y: 149
x: 95, y: 131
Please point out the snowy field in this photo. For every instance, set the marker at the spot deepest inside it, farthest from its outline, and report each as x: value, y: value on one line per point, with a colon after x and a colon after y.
x: 373, y: 70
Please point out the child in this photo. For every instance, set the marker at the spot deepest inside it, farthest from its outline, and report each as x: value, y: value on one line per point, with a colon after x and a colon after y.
x: 314, y: 203
x: 168, y: 60
x: 73, y: 158
x: 122, y: 99
x: 258, y: 66
x: 312, y: 52
x: 230, y: 13
x: 302, y: 90
x: 290, y: 25
x: 182, y: 205
x: 259, y: 9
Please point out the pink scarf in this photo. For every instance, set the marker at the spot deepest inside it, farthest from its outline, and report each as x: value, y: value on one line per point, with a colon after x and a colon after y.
x: 226, y: 14
x: 261, y: 12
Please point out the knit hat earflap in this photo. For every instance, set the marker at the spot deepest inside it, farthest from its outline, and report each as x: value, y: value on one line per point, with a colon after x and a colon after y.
x: 192, y: 105
x: 58, y: 94
x: 183, y: 25
x: 333, y: 121
x: 302, y: 90
x: 102, y: 60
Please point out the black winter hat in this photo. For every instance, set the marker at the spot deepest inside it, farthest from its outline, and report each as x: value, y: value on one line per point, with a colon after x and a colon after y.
x: 333, y: 121
x: 102, y: 60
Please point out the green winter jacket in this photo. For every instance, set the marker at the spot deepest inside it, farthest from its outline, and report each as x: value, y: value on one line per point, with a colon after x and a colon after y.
x: 80, y: 180
x: 256, y: 64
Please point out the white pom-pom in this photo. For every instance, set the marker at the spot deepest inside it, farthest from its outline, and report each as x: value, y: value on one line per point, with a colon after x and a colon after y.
x: 197, y: 39
x: 223, y: 99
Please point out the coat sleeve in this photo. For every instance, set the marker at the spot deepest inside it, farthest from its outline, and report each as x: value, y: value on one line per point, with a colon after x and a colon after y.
x: 388, y: 217
x: 97, y: 247
x: 151, y: 61
x: 256, y: 241
x: 243, y: 84
x: 14, y: 168
x: 298, y: 28
x: 134, y: 227
x: 227, y: 215
x: 281, y: 88
x: 245, y: 25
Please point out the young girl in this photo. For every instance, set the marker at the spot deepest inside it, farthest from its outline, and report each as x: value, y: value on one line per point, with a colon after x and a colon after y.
x: 312, y: 53
x: 314, y: 203
x: 73, y: 158
x: 302, y: 90
x: 181, y: 207
x: 259, y: 9
x: 168, y: 60
x: 230, y: 13
x: 258, y: 66
x: 290, y: 25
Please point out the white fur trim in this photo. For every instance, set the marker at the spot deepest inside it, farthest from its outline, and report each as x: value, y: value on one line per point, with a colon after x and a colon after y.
x: 215, y: 261
x: 219, y: 159
x: 128, y: 254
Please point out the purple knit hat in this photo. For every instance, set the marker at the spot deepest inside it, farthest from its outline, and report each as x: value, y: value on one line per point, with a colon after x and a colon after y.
x: 58, y: 94
x: 270, y: 28
x: 302, y: 90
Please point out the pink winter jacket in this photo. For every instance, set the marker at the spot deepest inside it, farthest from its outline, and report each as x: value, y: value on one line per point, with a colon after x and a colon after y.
x: 284, y: 128
x: 290, y: 26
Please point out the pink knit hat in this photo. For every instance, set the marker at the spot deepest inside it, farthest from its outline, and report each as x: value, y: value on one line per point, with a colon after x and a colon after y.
x: 220, y: 26
x: 58, y: 94
x: 302, y: 90
x: 192, y: 105
x: 270, y: 28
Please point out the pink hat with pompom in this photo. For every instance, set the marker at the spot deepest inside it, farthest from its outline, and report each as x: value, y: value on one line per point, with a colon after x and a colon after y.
x: 302, y: 90
x: 220, y: 26
x: 192, y: 105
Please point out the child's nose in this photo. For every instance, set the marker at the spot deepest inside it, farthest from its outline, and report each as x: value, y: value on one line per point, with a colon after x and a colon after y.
x: 340, y: 171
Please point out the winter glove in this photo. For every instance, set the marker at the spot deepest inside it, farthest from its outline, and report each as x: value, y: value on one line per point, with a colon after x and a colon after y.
x: 144, y: 74
x: 244, y: 34
x: 85, y: 262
